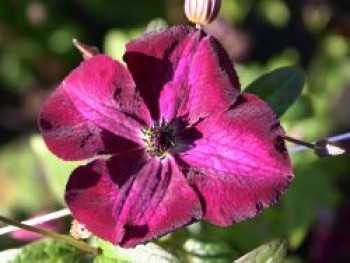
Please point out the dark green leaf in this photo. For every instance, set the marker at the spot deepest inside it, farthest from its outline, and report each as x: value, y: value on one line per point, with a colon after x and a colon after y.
x: 51, y: 251
x: 279, y: 88
x: 272, y: 252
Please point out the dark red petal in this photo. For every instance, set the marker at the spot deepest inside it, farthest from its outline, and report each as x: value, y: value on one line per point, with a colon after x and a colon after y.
x: 96, y: 109
x: 240, y: 164
x: 131, y: 199
x: 152, y: 60
x: 204, y: 83
x: 182, y: 58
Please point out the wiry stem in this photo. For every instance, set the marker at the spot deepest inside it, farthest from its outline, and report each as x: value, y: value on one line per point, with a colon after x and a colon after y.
x: 79, y: 244
x: 299, y: 142
x: 37, y: 220
x: 320, y: 145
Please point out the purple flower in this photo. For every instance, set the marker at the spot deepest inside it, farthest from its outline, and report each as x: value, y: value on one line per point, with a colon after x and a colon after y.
x: 184, y: 143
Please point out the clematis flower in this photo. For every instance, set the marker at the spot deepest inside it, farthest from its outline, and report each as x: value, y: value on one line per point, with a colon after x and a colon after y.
x: 184, y: 143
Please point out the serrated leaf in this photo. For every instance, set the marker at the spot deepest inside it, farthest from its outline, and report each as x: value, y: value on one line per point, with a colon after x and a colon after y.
x: 208, y: 251
x: 51, y: 251
x: 279, y: 88
x: 272, y: 252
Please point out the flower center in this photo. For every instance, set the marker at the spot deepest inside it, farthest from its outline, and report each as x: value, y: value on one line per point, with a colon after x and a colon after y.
x: 159, y: 139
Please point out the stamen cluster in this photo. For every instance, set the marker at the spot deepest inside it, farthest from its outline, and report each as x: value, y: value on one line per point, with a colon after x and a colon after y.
x: 159, y: 139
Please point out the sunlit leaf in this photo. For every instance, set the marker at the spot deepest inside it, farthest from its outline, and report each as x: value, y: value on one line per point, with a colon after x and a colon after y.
x: 51, y: 251
x: 272, y: 252
x: 280, y: 88
x: 140, y: 254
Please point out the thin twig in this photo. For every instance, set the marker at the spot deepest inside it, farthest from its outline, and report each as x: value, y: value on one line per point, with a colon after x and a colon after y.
x: 37, y: 220
x: 64, y: 238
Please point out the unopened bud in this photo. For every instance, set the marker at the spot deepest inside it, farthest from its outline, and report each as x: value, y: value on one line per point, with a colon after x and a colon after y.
x: 323, y: 148
x: 202, y: 12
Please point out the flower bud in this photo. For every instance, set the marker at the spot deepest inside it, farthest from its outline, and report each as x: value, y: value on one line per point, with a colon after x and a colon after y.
x: 202, y: 12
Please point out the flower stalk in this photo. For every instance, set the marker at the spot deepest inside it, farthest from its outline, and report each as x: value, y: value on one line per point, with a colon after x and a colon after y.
x: 37, y: 220
x: 322, y: 148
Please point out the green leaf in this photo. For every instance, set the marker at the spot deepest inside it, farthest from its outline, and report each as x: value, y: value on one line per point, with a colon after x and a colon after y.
x: 208, y: 251
x: 279, y: 88
x: 272, y: 252
x: 140, y: 254
x: 51, y: 251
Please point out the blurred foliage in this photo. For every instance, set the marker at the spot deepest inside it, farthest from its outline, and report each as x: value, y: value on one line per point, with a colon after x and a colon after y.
x: 260, y: 36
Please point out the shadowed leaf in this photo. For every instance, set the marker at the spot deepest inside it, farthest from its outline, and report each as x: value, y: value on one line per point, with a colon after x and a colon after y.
x: 279, y: 88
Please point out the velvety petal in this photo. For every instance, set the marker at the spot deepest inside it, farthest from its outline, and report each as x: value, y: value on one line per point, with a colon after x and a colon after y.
x: 239, y: 163
x: 152, y: 60
x: 96, y: 109
x: 204, y: 83
x: 181, y: 59
x: 131, y: 199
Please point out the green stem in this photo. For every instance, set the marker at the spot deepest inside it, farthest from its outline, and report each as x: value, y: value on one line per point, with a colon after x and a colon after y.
x: 79, y: 244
